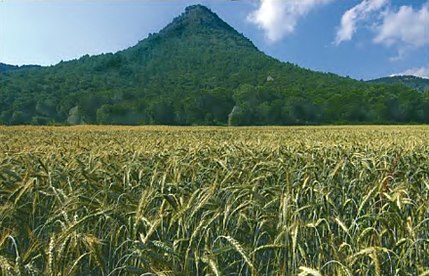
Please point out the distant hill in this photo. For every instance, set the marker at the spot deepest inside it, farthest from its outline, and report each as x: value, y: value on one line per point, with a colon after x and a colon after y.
x: 420, y: 84
x: 7, y: 67
x: 198, y: 70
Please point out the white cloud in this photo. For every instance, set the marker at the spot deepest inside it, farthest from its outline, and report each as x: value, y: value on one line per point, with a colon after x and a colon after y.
x: 406, y: 27
x: 279, y: 17
x: 352, y: 16
x: 422, y: 72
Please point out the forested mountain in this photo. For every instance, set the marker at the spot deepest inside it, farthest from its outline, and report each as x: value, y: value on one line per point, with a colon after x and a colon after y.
x: 7, y: 67
x: 414, y: 82
x: 198, y: 70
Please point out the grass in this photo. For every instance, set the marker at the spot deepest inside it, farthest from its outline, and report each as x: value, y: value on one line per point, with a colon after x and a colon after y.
x: 222, y: 201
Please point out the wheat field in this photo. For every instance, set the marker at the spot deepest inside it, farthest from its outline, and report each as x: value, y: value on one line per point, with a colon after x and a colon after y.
x: 92, y: 200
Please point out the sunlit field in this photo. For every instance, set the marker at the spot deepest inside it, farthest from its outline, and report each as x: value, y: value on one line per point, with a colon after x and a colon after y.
x: 92, y: 200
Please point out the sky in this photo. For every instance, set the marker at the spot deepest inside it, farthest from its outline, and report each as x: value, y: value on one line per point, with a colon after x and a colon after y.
x: 363, y: 39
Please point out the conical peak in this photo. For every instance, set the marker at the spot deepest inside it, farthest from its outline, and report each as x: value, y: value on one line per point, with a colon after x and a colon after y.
x: 198, y: 22
x: 198, y: 8
x: 201, y: 15
x: 197, y: 17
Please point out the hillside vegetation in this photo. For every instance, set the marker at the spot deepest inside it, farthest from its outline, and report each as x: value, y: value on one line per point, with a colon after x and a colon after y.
x: 198, y: 70
x: 417, y: 83
x: 7, y: 67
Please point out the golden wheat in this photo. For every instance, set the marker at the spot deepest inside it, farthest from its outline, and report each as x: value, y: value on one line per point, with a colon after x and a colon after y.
x: 150, y: 200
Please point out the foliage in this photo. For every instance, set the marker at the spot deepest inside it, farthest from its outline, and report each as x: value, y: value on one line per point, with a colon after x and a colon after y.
x: 417, y: 83
x: 194, y: 72
x: 7, y: 67
x: 223, y: 201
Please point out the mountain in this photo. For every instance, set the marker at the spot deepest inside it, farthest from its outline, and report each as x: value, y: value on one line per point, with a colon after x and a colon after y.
x: 198, y: 70
x: 7, y: 67
x: 417, y: 83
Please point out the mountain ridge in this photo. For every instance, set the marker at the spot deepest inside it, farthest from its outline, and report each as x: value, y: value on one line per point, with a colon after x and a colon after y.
x: 414, y: 82
x: 4, y: 67
x: 197, y: 70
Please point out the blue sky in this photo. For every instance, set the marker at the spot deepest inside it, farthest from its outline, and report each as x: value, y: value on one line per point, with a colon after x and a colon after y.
x: 362, y: 39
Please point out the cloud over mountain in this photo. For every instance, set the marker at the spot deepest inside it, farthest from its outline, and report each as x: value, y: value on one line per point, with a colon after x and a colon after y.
x: 279, y: 18
x: 422, y: 72
x: 405, y: 28
x: 352, y: 16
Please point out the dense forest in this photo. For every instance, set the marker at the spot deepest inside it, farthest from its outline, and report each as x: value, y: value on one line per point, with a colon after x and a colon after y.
x: 8, y: 67
x: 414, y: 82
x: 198, y: 71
